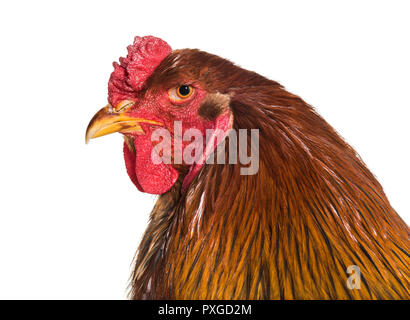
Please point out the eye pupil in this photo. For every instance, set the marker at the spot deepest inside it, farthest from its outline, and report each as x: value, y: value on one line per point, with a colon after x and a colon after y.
x: 184, y: 90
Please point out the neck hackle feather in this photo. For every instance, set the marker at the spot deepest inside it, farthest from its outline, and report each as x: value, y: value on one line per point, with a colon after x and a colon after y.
x: 288, y: 232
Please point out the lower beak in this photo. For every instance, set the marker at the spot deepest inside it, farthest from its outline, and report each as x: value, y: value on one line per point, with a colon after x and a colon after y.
x: 109, y: 120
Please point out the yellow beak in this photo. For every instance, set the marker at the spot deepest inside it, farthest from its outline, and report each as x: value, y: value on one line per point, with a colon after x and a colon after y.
x: 109, y: 120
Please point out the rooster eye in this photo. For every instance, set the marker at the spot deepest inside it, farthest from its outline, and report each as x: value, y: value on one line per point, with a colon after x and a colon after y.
x: 184, y: 91
x: 181, y: 93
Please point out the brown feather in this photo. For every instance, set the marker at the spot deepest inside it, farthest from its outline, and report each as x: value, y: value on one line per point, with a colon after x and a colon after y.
x: 288, y: 232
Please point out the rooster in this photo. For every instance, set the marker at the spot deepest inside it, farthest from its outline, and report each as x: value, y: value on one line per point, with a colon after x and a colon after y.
x: 294, y: 230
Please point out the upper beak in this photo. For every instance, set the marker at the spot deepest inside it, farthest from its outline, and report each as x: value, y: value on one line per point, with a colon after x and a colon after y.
x: 115, y: 119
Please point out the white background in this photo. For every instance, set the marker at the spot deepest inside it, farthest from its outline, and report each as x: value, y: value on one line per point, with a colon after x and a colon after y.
x: 70, y: 218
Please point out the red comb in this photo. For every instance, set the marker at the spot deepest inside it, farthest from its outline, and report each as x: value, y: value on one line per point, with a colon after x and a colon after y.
x: 131, y: 73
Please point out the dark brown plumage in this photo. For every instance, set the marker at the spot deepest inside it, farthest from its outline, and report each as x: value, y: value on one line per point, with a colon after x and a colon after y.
x: 288, y: 232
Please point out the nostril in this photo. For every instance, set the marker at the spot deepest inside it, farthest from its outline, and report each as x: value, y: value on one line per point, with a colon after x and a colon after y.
x: 123, y: 106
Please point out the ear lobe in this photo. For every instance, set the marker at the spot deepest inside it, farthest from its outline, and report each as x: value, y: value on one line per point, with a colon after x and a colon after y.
x: 214, y: 105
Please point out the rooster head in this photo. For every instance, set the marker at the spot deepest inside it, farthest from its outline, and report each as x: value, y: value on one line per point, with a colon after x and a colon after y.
x: 155, y: 93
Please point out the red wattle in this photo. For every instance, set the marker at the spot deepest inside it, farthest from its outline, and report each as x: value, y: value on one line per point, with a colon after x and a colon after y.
x: 147, y: 176
x: 130, y: 159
